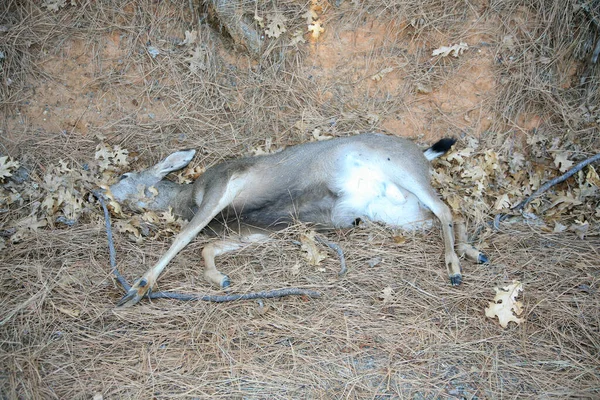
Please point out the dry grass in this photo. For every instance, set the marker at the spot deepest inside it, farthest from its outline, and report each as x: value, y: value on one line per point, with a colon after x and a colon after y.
x: 84, y: 72
x: 431, y: 340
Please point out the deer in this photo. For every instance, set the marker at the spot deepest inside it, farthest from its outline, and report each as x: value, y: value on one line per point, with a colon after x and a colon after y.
x: 329, y: 184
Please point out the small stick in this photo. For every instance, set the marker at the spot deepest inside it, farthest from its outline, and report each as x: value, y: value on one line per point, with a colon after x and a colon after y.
x: 266, y: 294
x: 339, y: 252
x: 548, y: 185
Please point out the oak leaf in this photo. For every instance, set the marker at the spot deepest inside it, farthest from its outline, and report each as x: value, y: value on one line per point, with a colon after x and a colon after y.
x: 313, y: 255
x: 316, y: 28
x: 505, y: 306
x: 454, y: 50
x: 276, y: 26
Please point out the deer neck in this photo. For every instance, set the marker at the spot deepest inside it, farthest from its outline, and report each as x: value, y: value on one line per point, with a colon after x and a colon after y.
x: 173, y: 195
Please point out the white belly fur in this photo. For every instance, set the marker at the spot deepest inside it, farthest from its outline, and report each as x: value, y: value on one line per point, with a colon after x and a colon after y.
x: 365, y: 192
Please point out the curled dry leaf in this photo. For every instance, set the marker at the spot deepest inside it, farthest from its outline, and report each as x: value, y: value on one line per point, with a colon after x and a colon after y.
x: 580, y: 228
x: 505, y: 306
x: 320, y: 137
x: 313, y: 255
x: 454, y: 50
x: 190, y: 38
x: 423, y: 87
x: 379, y: 76
x: 316, y: 28
x: 558, y: 227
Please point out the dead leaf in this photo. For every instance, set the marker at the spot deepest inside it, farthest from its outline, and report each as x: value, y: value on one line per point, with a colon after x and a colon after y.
x: 310, y: 15
x: 54, y: 5
x: 505, y: 306
x: 591, y: 176
x: 508, y: 42
x: 460, y: 155
x: 124, y: 227
x: 423, y: 88
x: 374, y: 261
x: 259, y: 20
x: 379, y: 76
x: 316, y: 28
x: 198, y: 59
x: 317, y: 135
x: 26, y: 226
x: 120, y: 156
x: 387, y: 295
x: 565, y: 201
x: 517, y: 160
x: 455, y: 50
x: 399, y: 239
x: 296, y: 269
x: 580, y: 228
x: 70, y: 312
x: 7, y: 166
x: 558, y: 227
x: 313, y: 255
x: 297, y: 37
x: 502, y: 203
x: 561, y: 162
x: 190, y: 38
x: 276, y: 26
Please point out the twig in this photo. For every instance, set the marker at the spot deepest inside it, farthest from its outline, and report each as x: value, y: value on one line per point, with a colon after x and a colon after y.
x: 548, y: 185
x: 266, y: 294
x: 339, y: 252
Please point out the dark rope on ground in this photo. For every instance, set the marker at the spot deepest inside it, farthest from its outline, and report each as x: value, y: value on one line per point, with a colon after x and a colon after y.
x: 519, y: 207
x: 111, y: 244
x: 266, y: 294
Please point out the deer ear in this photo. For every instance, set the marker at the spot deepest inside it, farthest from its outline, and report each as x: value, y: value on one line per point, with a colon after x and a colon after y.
x: 174, y: 162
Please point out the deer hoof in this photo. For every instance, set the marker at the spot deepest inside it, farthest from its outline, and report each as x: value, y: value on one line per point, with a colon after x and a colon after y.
x: 138, y: 291
x: 225, y: 282
x: 482, y: 259
x: 455, y: 280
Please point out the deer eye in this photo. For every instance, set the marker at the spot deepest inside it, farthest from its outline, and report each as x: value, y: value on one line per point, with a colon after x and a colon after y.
x: 125, y: 175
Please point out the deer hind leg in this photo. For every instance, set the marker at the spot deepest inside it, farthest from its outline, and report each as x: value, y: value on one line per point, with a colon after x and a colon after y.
x: 220, y: 247
x: 429, y: 198
x: 216, y: 196
x: 463, y: 248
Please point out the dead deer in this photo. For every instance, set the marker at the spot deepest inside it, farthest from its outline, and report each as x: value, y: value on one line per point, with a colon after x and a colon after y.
x: 330, y: 184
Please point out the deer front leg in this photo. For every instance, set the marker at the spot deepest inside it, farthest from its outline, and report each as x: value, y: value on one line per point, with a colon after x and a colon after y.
x: 215, y: 198
x: 144, y: 285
